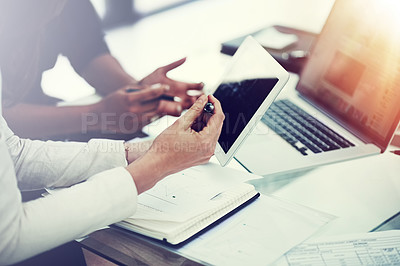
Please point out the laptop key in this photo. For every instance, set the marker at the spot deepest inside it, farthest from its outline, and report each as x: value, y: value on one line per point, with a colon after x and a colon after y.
x: 301, y: 130
x: 286, y: 134
x: 318, y: 125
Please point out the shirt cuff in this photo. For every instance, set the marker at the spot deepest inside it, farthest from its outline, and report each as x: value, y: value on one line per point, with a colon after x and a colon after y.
x: 114, y: 150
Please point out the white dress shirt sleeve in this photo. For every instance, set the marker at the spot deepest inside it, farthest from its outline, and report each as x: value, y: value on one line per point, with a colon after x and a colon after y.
x: 41, y: 164
x: 27, y: 229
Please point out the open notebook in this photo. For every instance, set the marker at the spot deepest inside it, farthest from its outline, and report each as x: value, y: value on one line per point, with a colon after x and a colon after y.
x: 183, y: 204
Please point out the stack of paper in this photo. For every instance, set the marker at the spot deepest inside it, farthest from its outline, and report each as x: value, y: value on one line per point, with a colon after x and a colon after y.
x: 258, y: 235
x: 378, y: 248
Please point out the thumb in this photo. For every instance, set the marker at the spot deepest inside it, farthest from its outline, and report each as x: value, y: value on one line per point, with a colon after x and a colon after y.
x: 194, y: 112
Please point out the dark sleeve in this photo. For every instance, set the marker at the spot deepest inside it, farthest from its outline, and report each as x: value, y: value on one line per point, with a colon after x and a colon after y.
x: 80, y: 28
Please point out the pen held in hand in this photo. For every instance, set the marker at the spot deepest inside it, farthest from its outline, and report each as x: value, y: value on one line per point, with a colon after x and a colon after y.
x: 202, y: 120
x: 209, y: 108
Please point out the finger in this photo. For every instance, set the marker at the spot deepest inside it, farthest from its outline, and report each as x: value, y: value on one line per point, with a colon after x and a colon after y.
x: 195, y: 111
x: 214, y: 124
x: 145, y: 107
x: 186, y: 86
x: 170, y: 108
x: 173, y: 65
x: 147, y: 94
x: 195, y: 86
x: 148, y: 118
x: 188, y: 101
x: 133, y: 87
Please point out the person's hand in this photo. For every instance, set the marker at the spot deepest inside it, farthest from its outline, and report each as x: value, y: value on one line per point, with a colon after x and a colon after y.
x: 128, y: 112
x: 179, y: 146
x: 177, y: 88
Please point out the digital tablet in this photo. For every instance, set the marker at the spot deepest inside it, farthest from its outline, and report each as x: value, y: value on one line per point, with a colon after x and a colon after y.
x: 249, y: 85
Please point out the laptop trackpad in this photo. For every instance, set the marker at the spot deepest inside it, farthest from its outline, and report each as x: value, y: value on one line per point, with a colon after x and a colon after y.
x: 265, y: 152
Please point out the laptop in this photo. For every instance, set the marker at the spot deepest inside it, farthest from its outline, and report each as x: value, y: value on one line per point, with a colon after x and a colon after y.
x: 346, y: 103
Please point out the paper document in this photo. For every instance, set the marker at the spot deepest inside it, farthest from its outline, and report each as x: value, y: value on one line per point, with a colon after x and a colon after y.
x: 377, y: 248
x: 257, y: 235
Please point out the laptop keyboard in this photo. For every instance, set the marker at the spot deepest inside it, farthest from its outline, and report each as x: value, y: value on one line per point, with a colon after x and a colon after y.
x: 301, y: 130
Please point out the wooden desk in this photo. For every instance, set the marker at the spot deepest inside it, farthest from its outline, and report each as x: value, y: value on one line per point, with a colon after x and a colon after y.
x: 124, y: 248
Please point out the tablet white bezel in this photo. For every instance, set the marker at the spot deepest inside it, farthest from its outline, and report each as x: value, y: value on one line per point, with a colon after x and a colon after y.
x: 278, y: 71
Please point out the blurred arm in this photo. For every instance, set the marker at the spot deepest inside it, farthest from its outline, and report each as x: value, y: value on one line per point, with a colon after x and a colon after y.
x: 106, y: 74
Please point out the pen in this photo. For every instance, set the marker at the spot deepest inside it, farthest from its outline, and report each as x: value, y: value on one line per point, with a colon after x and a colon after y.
x: 397, y: 152
x: 162, y: 97
x: 209, y: 108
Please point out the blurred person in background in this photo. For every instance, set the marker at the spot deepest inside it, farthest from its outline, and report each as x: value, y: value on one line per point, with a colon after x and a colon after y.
x: 34, y: 33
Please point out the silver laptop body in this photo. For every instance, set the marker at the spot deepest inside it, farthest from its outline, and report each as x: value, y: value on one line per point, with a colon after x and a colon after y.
x: 350, y: 84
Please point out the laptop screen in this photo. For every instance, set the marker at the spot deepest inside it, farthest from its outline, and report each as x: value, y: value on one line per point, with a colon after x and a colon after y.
x: 353, y: 72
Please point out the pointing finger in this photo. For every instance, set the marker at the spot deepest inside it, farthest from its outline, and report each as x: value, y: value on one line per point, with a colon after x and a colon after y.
x: 173, y: 65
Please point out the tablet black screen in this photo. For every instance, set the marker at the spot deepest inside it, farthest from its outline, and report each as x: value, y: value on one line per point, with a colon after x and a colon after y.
x: 240, y: 101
